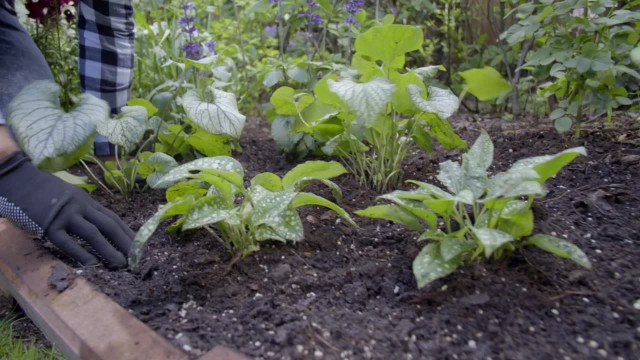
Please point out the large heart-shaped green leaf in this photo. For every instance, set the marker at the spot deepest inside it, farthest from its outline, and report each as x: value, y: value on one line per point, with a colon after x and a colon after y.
x: 216, y: 111
x: 485, y: 83
x: 127, y: 130
x: 52, y: 137
x: 388, y: 43
x: 442, y: 102
x: 366, y: 100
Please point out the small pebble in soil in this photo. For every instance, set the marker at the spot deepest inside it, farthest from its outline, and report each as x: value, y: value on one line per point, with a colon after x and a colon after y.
x: 318, y: 354
x: 555, y: 312
x: 593, y: 344
x: 602, y: 353
x: 580, y: 339
x: 300, y: 348
x: 636, y: 305
x: 472, y: 344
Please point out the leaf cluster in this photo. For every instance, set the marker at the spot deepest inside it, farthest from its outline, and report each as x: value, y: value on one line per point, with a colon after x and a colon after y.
x: 483, y: 215
x: 210, y: 193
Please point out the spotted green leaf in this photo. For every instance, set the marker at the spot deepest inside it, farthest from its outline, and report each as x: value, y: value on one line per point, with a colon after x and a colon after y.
x: 561, y: 248
x: 429, y: 265
x: 219, y: 163
x: 492, y: 239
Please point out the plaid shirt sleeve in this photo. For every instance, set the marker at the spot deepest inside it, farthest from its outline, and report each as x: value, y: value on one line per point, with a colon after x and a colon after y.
x: 106, y: 34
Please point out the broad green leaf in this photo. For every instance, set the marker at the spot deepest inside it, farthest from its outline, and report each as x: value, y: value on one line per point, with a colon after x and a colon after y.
x: 267, y: 180
x: 333, y: 187
x: 366, y: 100
x: 284, y: 102
x: 269, y: 206
x: 185, y: 188
x: 432, y: 190
x: 273, y: 77
x: 429, y: 72
x: 219, y: 163
x: 127, y: 130
x: 312, y: 170
x: 156, y: 166
x: 149, y: 227
x: 402, y: 98
x: 387, y: 43
x: 234, y: 178
x: 48, y: 134
x: 423, y: 139
x: 206, y: 211
x: 452, y: 247
x: 326, y: 95
x: 485, y: 83
x: 451, y: 176
x: 442, y: 131
x: 429, y: 265
x: 441, y: 102
x: 305, y: 198
x: 476, y: 162
x: 594, y: 59
x: 548, y: 166
x: 146, y: 104
x: 561, y: 248
x: 515, y: 182
x: 286, y: 226
x: 417, y: 208
x: 491, y: 239
x: 563, y: 124
x: 209, y: 144
x: 281, y: 129
x: 79, y: 181
x: 517, y: 225
x: 216, y: 113
x: 392, y: 213
x: 441, y: 207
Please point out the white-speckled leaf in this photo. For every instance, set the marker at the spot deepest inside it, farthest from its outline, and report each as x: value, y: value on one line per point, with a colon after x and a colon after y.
x: 366, y: 100
x: 217, y: 113
x: 428, y: 72
x: 220, y: 163
x: 303, y: 199
x: 451, y: 247
x: 269, y: 206
x: 286, y: 227
x: 561, y: 248
x: 476, y: 162
x: 442, y: 102
x: 44, y: 130
x: 492, y: 239
x: 549, y: 165
x: 432, y: 190
x: 451, y: 176
x: 429, y: 265
x: 126, y: 130
x: 206, y: 211
x: 149, y: 227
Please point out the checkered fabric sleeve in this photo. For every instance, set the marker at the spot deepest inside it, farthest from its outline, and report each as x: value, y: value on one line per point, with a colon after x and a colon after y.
x: 106, y: 33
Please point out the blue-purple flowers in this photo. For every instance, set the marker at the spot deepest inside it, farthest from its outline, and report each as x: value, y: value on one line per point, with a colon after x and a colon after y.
x: 193, y: 49
x: 353, y: 7
x: 313, y: 18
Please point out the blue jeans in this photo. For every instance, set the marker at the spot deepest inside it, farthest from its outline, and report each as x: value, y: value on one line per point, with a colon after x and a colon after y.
x: 21, y: 63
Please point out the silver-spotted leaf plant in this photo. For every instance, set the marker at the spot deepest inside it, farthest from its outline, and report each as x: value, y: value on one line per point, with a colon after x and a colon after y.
x: 210, y: 193
x: 372, y: 113
x: 483, y: 215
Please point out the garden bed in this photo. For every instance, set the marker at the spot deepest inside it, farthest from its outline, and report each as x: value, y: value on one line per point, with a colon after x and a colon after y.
x: 345, y: 293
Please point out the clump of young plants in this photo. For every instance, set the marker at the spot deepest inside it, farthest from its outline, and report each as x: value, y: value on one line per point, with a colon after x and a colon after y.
x: 373, y: 113
x: 210, y: 193
x: 480, y: 215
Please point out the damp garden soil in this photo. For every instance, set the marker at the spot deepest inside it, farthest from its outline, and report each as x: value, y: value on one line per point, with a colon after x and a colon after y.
x: 350, y: 294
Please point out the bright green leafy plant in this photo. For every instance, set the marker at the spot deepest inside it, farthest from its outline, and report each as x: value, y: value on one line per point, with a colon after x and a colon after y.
x: 373, y: 113
x: 210, y: 193
x: 483, y: 215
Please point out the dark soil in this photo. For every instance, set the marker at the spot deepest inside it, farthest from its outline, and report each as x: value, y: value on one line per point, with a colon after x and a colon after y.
x: 350, y: 294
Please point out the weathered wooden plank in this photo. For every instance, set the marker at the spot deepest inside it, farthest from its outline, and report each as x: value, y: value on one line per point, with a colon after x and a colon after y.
x: 82, y: 322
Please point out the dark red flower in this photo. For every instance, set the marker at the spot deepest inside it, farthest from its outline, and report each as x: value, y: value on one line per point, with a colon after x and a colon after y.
x: 46, y: 10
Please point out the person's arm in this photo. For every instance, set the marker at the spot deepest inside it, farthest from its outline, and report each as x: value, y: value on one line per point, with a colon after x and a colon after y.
x: 7, y: 145
x: 106, y: 36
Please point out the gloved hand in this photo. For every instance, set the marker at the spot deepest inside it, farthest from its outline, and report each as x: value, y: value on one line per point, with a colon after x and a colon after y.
x: 45, y: 205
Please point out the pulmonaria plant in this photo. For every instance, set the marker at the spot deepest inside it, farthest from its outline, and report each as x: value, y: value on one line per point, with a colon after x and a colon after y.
x: 210, y: 193
x: 483, y: 215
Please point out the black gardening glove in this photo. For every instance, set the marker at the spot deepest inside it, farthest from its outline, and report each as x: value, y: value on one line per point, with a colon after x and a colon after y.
x: 44, y: 205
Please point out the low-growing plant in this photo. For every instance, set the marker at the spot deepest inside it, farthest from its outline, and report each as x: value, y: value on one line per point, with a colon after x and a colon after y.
x: 482, y: 215
x: 210, y: 193
x: 373, y: 113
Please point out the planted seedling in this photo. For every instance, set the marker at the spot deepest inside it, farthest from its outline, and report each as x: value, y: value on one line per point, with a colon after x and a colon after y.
x: 484, y: 216
x: 210, y: 193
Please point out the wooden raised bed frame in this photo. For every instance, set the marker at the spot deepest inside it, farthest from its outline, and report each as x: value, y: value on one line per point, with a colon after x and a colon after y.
x: 82, y: 322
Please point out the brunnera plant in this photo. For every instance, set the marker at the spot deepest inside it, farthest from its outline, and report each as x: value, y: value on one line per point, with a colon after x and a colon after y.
x: 374, y: 112
x: 210, y: 193
x: 484, y: 216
